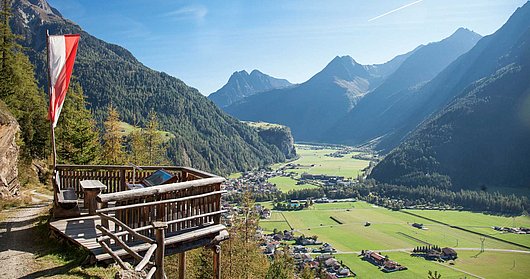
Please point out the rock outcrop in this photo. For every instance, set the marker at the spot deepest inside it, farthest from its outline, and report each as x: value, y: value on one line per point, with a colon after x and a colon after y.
x: 277, y: 135
x: 9, y: 128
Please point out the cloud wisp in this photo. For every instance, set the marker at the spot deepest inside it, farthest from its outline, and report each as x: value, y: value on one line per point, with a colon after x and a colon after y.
x: 395, y: 10
x: 188, y: 12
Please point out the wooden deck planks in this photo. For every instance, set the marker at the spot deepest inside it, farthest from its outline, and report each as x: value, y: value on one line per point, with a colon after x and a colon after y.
x: 82, y: 231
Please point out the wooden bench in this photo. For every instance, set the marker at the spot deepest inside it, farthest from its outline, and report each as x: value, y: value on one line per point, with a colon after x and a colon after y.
x: 66, y: 200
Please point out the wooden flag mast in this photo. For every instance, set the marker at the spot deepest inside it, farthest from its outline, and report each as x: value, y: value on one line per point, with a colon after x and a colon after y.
x: 54, y: 151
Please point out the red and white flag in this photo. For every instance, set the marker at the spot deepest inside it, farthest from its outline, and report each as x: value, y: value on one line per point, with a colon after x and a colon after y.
x: 61, y: 53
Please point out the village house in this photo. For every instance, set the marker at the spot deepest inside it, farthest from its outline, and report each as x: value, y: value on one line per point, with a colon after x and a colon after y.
x: 381, y: 261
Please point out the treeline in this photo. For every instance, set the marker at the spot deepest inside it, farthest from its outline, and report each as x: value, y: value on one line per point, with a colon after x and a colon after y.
x: 79, y: 141
x: 433, y: 196
x: 398, y: 197
x: 20, y: 93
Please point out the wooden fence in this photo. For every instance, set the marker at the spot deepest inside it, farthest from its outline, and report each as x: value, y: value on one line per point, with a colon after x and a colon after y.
x: 117, y: 177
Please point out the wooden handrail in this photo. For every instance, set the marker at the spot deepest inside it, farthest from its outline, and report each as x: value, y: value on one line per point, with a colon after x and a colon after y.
x: 159, y: 189
x: 119, y: 242
x: 128, y: 229
x: 146, y: 258
x: 109, y: 209
x: 140, y: 229
x: 194, y: 171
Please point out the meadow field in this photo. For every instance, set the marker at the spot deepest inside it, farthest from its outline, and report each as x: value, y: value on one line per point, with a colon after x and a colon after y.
x: 481, y: 223
x: 345, y: 166
x: 392, y: 233
x: 315, y: 161
x: 286, y: 184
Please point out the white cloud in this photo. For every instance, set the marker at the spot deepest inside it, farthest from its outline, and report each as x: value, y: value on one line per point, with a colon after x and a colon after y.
x: 188, y: 12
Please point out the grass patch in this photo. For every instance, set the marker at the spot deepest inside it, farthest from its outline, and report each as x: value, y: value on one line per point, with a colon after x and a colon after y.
x: 481, y: 223
x: 417, y: 268
x: 286, y: 184
x: 277, y: 221
x: 345, y: 166
x: 235, y: 175
x: 126, y: 129
x: 494, y: 264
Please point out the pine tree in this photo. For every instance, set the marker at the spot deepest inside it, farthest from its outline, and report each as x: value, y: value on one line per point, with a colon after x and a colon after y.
x: 241, y: 254
x: 307, y: 273
x: 137, y: 147
x: 282, y: 266
x: 204, y: 264
x: 113, y: 147
x: 76, y: 134
x: 154, y: 141
x: 19, y: 90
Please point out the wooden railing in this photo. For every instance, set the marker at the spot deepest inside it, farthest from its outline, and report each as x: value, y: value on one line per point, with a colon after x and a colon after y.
x: 117, y: 177
x: 183, y: 205
x: 190, y: 211
x: 155, y: 247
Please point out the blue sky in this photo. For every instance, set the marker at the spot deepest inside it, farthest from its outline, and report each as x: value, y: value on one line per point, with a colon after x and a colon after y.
x: 204, y: 42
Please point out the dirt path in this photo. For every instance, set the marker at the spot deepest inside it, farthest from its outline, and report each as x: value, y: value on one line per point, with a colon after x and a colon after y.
x: 17, y: 237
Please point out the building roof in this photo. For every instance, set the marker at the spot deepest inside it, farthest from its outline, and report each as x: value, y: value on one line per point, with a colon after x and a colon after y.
x: 376, y: 256
x: 448, y: 251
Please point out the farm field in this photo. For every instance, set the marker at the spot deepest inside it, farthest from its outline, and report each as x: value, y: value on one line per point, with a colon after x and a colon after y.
x: 481, y: 223
x: 392, y: 230
x: 286, y: 184
x: 417, y: 268
x: 345, y: 166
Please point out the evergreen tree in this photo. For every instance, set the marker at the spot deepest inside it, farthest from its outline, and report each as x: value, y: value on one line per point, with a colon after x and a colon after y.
x: 307, y: 273
x: 241, y: 256
x: 76, y: 134
x: 113, y: 147
x: 282, y: 266
x: 154, y: 141
x: 18, y: 89
x: 204, y: 264
x: 137, y: 147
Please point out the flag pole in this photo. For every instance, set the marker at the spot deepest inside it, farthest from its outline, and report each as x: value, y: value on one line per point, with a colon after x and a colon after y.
x: 54, y: 151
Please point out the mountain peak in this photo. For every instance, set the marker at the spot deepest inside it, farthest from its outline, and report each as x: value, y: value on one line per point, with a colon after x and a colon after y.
x: 256, y: 72
x: 241, y: 85
x: 240, y: 73
x: 341, y: 68
x: 40, y: 7
x: 343, y: 60
x: 464, y: 33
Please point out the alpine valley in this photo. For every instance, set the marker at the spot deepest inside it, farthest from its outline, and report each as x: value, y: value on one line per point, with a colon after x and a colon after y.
x: 452, y: 113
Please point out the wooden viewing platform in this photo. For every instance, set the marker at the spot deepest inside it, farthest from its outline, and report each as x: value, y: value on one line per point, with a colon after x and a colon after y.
x: 189, y: 209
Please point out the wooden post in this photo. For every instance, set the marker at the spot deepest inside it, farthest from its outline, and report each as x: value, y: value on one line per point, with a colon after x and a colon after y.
x: 123, y: 181
x: 105, y: 221
x: 160, y: 249
x: 182, y: 265
x: 216, y: 261
x: 52, y: 130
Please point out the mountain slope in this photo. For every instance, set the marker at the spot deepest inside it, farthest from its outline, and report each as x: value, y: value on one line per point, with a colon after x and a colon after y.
x: 241, y: 85
x: 376, y: 115
x: 481, y: 138
x: 205, y: 137
x: 309, y: 108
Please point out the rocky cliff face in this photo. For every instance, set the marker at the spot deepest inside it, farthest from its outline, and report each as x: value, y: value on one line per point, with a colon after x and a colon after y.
x: 277, y: 135
x: 9, y: 149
